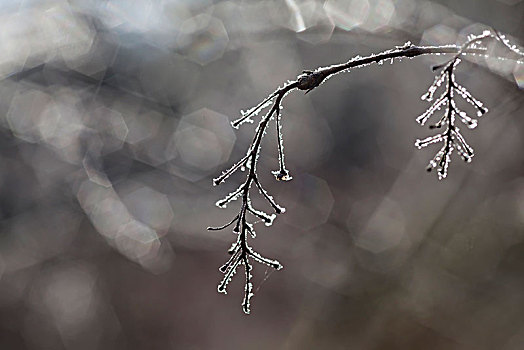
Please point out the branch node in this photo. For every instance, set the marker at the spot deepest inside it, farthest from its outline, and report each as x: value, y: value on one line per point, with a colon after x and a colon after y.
x: 310, y: 80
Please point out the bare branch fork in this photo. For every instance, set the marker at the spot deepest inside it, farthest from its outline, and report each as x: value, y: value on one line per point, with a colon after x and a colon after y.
x: 241, y: 252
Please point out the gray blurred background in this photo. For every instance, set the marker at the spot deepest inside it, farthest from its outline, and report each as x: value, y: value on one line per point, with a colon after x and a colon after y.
x: 114, y: 117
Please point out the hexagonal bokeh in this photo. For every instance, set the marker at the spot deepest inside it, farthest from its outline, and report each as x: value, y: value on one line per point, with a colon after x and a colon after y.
x: 132, y: 230
x: 65, y: 295
x: 306, y: 126
x: 317, y: 26
x: 66, y: 137
x: 142, y: 126
x: 380, y: 14
x: 202, y: 141
x: 518, y: 74
x: 202, y: 39
x: 25, y: 114
x: 96, y: 62
x: 347, y: 14
x: 93, y: 166
x: 136, y: 240
x: 307, y: 18
x: 150, y: 207
x: 72, y: 35
x: 14, y: 44
x: 384, y: 229
x: 130, y: 15
x: 439, y: 34
x: 112, y: 128
x: 312, y: 202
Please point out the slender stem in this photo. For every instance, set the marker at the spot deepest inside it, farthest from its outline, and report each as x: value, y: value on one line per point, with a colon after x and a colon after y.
x: 409, y: 51
x: 252, y: 171
x: 311, y: 79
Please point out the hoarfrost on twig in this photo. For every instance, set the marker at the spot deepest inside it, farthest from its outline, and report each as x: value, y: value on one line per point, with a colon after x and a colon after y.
x: 451, y: 138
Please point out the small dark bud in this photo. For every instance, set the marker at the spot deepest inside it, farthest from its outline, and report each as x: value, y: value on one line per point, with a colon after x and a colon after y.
x: 310, y: 80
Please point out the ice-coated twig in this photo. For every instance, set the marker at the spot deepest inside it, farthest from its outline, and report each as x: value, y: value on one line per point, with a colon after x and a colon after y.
x: 282, y: 174
x: 452, y: 138
x: 241, y: 252
x: 211, y: 228
x: 248, y: 286
x: 252, y: 112
x: 234, y: 167
x: 278, y: 209
x: 512, y: 47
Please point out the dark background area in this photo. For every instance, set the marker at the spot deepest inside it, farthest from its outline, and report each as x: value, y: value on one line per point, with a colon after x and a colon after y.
x: 114, y: 118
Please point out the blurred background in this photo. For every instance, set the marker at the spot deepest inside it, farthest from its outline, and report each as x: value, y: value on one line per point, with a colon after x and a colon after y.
x: 114, y: 118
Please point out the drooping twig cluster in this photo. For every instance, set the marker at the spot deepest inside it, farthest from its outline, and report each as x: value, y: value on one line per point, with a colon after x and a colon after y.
x: 243, y: 227
x: 451, y: 138
x: 241, y: 252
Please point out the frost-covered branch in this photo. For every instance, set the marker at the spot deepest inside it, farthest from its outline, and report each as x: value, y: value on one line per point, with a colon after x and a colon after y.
x: 243, y: 225
x: 451, y: 138
x: 241, y: 252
